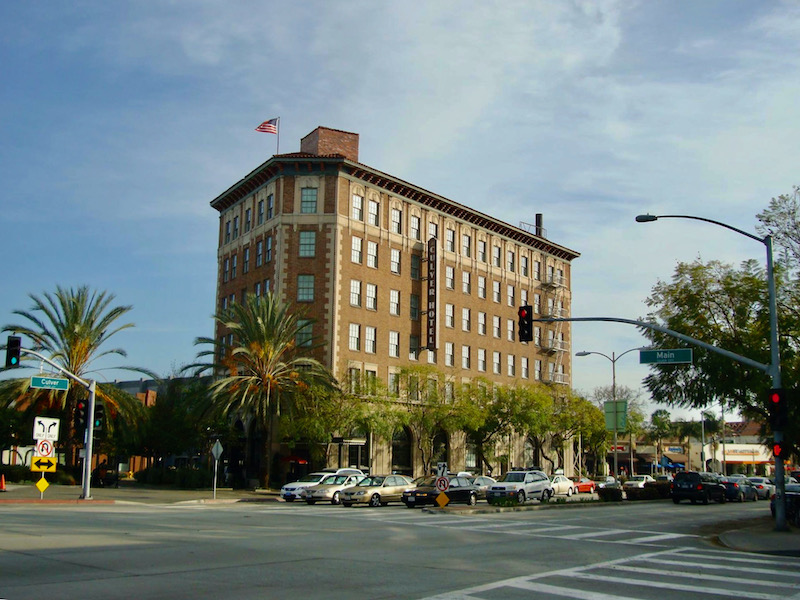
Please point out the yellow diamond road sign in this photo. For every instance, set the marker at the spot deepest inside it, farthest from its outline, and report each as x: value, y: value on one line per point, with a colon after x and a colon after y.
x: 442, y: 500
x: 42, y: 485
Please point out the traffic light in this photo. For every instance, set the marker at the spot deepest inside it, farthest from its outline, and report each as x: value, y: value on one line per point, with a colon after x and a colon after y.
x: 781, y: 450
x: 99, y: 416
x: 81, y: 410
x: 778, y: 405
x: 13, y: 347
x: 525, y: 314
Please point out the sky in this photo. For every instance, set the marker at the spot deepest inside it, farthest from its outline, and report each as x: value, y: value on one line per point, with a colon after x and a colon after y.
x: 121, y: 121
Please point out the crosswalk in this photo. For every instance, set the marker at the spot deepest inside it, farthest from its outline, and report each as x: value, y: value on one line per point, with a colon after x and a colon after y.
x: 673, y: 573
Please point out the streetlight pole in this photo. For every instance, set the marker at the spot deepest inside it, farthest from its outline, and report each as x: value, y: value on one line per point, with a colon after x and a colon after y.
x: 774, y: 369
x: 613, y: 358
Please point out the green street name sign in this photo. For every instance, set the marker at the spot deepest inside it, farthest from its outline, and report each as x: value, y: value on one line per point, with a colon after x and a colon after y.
x: 679, y: 356
x: 49, y: 383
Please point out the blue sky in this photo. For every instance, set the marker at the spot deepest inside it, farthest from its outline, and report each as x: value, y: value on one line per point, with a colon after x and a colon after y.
x: 120, y: 121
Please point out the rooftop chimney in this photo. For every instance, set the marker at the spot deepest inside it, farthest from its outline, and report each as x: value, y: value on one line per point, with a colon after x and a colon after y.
x: 323, y: 141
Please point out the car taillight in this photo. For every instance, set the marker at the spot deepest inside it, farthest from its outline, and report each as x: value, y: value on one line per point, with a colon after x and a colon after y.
x: 672, y: 486
x: 736, y: 485
x: 699, y: 486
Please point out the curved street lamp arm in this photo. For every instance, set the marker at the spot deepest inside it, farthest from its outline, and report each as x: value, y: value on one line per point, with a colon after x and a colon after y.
x: 721, y: 224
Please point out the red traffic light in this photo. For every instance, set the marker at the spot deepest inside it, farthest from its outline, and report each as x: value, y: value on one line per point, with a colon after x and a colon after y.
x: 523, y: 312
x: 775, y: 396
x: 777, y: 449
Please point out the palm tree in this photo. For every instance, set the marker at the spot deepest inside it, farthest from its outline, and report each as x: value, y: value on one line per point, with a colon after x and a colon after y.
x: 264, y: 364
x: 70, y: 327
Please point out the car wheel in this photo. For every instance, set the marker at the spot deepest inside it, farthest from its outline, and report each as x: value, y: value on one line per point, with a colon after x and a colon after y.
x: 741, y: 497
x: 676, y: 500
x: 705, y: 498
x: 694, y: 501
x: 336, y: 498
x: 311, y: 501
x: 473, y: 499
x: 347, y: 504
x: 375, y: 500
x: 546, y: 495
x: 521, y: 497
x: 569, y: 492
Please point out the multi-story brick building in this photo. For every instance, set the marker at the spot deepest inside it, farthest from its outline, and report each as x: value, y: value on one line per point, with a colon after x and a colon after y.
x: 349, y: 243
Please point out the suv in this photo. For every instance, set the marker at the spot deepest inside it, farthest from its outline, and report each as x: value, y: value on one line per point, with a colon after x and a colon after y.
x: 521, y: 485
x: 694, y: 486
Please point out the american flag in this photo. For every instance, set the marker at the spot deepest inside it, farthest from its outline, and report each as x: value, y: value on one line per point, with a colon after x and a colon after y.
x: 270, y: 126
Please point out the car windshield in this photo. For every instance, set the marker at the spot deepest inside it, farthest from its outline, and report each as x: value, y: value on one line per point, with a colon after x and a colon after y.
x: 514, y: 477
x: 312, y: 477
x: 426, y: 482
x: 337, y: 480
x: 637, y: 478
x: 372, y: 481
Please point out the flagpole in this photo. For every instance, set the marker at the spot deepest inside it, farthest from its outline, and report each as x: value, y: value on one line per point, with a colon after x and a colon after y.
x: 278, y: 142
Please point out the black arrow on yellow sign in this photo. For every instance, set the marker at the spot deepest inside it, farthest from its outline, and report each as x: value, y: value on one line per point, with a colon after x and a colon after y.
x: 43, y: 464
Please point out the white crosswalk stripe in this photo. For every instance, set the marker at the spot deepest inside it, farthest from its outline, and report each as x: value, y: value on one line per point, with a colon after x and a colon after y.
x: 673, y: 572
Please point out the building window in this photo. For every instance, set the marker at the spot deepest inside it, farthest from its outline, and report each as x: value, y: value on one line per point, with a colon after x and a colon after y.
x: 537, y: 336
x: 260, y: 213
x: 482, y: 250
x: 510, y: 330
x: 497, y: 260
x: 413, y: 307
x: 257, y: 289
x: 372, y: 254
x: 355, y: 293
x: 481, y: 286
x: 270, y: 206
x: 537, y: 270
x: 235, y: 227
x: 308, y: 200
x: 304, y: 333
x: 413, y: 347
x: 394, y: 384
x: 416, y: 266
x: 523, y: 297
x: 450, y: 240
x: 397, y: 220
x: 356, y: 252
x: 394, y: 302
x: 227, y: 232
x: 226, y: 265
x: 510, y: 295
x: 308, y: 244
x: 482, y: 360
x: 433, y: 230
x: 510, y: 262
x: 523, y: 265
x: 465, y: 319
x: 524, y: 367
x: 449, y: 277
x: 268, y: 254
x: 482, y: 323
x: 248, y: 214
x: 394, y: 347
x: 394, y: 261
x: 305, y: 288
x: 234, y: 260
x: 267, y: 286
x: 537, y: 304
x: 466, y: 245
x: 358, y: 207
x: 413, y: 227
x: 449, y: 315
x: 466, y: 282
x: 496, y: 326
x: 449, y: 354
x: 511, y: 367
x: 259, y: 253
x: 496, y: 291
x: 355, y: 337
x: 465, y: 357
x: 496, y: 367
x: 370, y: 337
x: 246, y: 261
x: 354, y: 378
x: 537, y: 373
x: 372, y: 297
x: 373, y: 213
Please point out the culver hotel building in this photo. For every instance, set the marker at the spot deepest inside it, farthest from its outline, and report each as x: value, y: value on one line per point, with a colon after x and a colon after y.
x: 393, y: 275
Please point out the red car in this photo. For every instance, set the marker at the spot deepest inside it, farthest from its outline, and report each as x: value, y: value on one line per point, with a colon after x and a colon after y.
x: 584, y: 485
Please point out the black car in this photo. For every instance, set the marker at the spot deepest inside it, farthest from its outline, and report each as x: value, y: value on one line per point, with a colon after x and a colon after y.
x: 792, y: 503
x: 739, y: 489
x: 694, y: 486
x: 461, y: 490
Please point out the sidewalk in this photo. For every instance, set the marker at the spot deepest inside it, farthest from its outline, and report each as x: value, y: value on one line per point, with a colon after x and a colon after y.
x: 761, y: 537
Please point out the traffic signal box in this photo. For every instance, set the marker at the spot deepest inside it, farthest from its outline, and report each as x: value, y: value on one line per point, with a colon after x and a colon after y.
x: 81, y: 412
x: 13, y: 347
x: 778, y: 403
x: 99, y: 416
x: 525, y: 323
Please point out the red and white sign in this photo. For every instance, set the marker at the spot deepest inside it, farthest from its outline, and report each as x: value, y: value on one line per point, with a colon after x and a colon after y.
x: 45, y: 449
x: 442, y: 484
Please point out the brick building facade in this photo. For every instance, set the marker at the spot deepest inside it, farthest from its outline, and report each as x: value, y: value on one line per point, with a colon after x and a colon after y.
x: 348, y: 243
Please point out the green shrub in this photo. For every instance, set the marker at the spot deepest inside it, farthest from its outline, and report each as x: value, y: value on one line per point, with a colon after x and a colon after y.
x: 187, y: 478
x: 16, y: 473
x: 504, y: 501
x: 645, y: 493
x: 662, y: 487
x: 610, y: 494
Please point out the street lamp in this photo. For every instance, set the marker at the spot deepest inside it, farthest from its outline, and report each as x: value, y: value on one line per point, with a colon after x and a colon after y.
x: 775, y: 359
x: 613, y: 358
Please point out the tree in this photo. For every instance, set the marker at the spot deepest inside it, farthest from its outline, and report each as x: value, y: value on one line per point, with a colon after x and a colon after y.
x: 263, y: 368
x: 71, y: 327
x: 660, y: 427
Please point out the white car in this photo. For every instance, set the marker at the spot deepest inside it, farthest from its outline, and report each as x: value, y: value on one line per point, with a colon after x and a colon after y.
x: 563, y: 485
x: 292, y: 491
x: 521, y: 486
x: 330, y: 489
x: 637, y: 481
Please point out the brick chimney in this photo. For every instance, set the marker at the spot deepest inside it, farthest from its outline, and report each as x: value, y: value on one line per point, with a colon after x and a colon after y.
x: 323, y: 141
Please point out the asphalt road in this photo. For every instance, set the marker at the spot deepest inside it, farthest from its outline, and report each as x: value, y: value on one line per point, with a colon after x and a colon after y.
x: 277, y: 550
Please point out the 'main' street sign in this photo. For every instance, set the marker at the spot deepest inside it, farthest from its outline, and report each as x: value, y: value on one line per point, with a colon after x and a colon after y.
x: 679, y: 356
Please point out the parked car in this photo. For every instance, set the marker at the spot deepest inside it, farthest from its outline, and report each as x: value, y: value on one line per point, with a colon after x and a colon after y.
x: 521, y: 485
x: 668, y: 477
x: 792, y: 503
x: 739, y: 489
x: 583, y: 485
x: 607, y: 481
x: 291, y: 491
x: 694, y: 486
x: 637, y: 481
x: 483, y: 483
x: 377, y: 490
x: 764, y: 487
x: 330, y: 490
x: 562, y: 485
x: 461, y: 490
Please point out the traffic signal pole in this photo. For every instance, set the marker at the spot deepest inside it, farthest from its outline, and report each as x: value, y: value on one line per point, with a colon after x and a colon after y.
x: 91, y: 386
